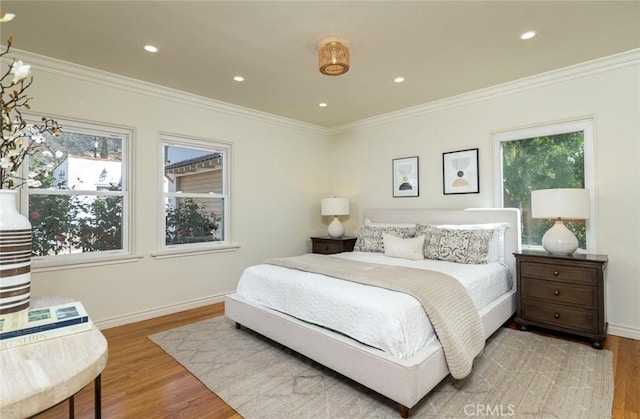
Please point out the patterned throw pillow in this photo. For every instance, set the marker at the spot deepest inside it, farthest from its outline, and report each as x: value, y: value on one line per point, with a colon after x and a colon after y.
x: 496, y: 244
x: 460, y: 246
x: 370, y: 238
x: 410, y: 226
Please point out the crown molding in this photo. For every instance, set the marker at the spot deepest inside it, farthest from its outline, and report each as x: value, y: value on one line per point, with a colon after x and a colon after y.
x: 104, y: 78
x: 588, y: 68
x: 100, y: 77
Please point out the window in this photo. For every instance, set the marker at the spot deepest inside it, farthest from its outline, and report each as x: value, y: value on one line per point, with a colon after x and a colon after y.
x: 553, y: 156
x: 195, y: 193
x: 80, y: 208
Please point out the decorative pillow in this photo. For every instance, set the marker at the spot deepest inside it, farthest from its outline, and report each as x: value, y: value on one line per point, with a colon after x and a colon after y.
x: 370, y: 238
x: 461, y: 246
x: 411, y: 248
x: 496, y: 244
x: 410, y: 226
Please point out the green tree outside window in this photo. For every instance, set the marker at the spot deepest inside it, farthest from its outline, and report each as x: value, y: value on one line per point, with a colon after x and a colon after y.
x: 547, y: 162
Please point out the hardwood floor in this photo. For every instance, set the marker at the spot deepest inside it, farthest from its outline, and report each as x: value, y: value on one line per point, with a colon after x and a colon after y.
x: 142, y: 381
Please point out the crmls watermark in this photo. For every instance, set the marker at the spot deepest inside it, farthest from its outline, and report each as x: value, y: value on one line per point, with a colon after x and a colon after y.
x: 489, y: 410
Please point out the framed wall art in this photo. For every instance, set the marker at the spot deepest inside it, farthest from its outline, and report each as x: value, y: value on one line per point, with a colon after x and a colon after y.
x: 460, y: 173
x: 405, y: 177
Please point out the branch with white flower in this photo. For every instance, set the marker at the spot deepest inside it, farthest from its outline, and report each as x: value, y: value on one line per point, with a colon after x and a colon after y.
x: 21, y: 139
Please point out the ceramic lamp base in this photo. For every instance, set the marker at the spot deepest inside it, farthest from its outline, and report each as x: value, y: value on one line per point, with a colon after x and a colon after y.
x: 559, y: 240
x: 336, y: 229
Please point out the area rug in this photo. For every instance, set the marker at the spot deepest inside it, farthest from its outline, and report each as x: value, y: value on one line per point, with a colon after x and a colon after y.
x: 519, y: 374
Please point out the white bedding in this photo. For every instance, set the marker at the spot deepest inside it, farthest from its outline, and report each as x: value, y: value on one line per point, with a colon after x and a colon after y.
x: 388, y: 320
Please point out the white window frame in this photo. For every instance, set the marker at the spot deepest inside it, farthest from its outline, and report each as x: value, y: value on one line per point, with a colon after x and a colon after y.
x: 175, y: 140
x: 586, y: 125
x: 90, y: 128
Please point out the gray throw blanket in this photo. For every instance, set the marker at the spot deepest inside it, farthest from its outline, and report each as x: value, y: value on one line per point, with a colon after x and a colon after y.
x: 445, y: 300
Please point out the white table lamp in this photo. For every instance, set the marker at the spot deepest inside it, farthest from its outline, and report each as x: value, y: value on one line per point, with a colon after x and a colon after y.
x: 335, y: 207
x: 560, y: 204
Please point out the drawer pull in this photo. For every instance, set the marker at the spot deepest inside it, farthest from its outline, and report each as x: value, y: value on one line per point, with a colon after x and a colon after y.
x: 556, y: 292
x: 556, y: 316
x: 556, y: 273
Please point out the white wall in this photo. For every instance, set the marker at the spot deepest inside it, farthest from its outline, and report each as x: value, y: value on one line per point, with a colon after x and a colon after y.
x: 608, y: 90
x: 278, y: 178
x: 280, y: 173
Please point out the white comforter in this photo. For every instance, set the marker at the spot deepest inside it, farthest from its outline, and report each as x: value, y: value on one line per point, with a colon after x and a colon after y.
x: 388, y: 320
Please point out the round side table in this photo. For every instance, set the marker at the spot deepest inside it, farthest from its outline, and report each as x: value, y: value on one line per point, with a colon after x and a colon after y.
x: 40, y: 375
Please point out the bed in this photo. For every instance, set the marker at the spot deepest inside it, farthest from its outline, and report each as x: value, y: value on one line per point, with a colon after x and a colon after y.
x: 404, y: 374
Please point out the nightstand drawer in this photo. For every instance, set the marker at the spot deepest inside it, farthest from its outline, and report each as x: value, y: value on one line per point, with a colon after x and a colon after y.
x: 560, y: 292
x: 327, y: 248
x: 558, y: 272
x: 553, y: 315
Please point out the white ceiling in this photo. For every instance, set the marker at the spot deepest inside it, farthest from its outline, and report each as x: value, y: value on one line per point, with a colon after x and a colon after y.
x: 442, y: 48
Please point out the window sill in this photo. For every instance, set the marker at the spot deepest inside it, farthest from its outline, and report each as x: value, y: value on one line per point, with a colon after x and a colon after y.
x: 177, y: 253
x: 46, y: 266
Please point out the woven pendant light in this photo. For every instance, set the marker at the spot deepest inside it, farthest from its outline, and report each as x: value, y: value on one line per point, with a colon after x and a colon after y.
x: 333, y: 56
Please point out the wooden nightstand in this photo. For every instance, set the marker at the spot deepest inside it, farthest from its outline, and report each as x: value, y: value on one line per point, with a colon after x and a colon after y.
x: 562, y: 293
x: 328, y: 246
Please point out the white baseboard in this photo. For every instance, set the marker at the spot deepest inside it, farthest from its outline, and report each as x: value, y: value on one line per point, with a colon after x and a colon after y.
x: 624, y: 331
x: 159, y: 311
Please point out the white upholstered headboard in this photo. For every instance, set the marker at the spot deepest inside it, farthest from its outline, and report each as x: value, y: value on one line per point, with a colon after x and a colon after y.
x: 511, y: 216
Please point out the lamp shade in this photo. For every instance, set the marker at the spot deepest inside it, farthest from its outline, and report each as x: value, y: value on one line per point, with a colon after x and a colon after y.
x: 335, y: 206
x: 565, y: 203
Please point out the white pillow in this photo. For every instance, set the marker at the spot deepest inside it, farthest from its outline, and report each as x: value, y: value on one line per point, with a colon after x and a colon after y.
x: 411, y: 248
x: 496, y: 244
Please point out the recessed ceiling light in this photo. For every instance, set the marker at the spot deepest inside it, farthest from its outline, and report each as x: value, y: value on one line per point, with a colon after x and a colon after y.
x: 150, y: 48
x: 528, y: 35
x: 238, y: 78
x: 322, y: 105
x: 398, y: 80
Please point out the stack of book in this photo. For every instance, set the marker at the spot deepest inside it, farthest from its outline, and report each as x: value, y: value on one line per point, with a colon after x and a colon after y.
x: 37, y: 325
